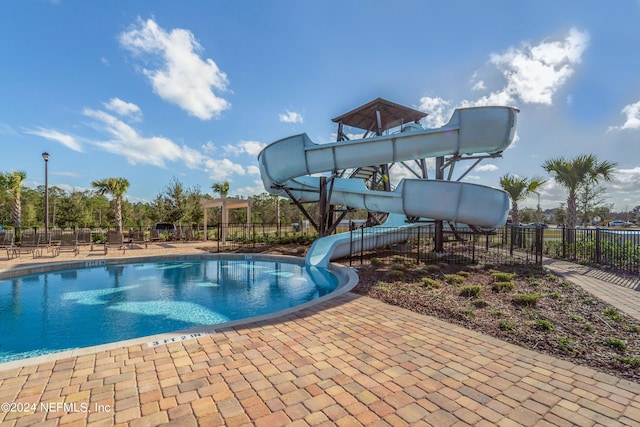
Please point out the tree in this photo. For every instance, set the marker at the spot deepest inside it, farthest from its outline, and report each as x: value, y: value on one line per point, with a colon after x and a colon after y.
x: 12, y: 181
x: 519, y: 188
x: 590, y: 200
x: 116, y: 187
x: 221, y: 188
x: 577, y: 172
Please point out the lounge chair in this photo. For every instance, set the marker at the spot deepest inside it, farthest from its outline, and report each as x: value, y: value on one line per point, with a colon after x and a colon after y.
x: 6, y: 242
x: 188, y: 235
x: 30, y: 243
x: 155, y: 236
x: 137, y: 237
x: 83, y: 238
x: 114, y: 239
x: 68, y: 243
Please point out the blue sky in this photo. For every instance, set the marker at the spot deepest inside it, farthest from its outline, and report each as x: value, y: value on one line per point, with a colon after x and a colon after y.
x: 193, y: 90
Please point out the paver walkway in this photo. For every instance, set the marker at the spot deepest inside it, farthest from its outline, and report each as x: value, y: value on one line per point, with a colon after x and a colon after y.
x: 347, y: 362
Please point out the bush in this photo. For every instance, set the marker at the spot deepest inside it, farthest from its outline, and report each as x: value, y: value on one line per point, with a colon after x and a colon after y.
x: 506, y: 325
x: 503, y: 286
x: 500, y: 276
x: 544, y: 325
x: 615, y: 343
x: 528, y: 300
x: 471, y: 290
x: 376, y: 262
x: 430, y: 283
x: 454, y: 279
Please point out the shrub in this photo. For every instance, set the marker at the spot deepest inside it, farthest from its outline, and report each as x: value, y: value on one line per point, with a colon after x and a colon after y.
x: 454, y: 279
x: 464, y: 273
x: 432, y: 268
x: 398, y: 259
x: 544, y: 325
x: 615, y: 343
x: 500, y: 276
x: 398, y: 266
x: 471, y: 290
x: 566, y: 345
x: 430, y: 283
x: 382, y: 285
x: 613, y: 314
x: 528, y: 300
x: 503, y: 286
x: 376, y: 262
x: 506, y: 325
x: 395, y: 274
x: 632, y: 361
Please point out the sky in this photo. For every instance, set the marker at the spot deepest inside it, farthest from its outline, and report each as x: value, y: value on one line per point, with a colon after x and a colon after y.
x: 152, y: 91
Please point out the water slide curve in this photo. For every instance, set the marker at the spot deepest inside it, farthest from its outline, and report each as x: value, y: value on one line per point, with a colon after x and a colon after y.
x: 289, y: 163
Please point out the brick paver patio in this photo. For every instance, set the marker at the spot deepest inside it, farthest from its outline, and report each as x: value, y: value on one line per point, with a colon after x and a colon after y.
x: 349, y: 361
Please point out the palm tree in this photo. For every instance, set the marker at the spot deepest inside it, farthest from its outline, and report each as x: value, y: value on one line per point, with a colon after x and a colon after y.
x: 221, y: 188
x: 574, y: 173
x: 519, y: 188
x: 116, y: 187
x: 12, y: 181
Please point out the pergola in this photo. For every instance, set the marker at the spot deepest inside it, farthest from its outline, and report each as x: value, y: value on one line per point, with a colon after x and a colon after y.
x: 226, y: 204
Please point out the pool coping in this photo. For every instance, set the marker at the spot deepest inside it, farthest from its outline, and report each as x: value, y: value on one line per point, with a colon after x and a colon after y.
x: 347, y: 280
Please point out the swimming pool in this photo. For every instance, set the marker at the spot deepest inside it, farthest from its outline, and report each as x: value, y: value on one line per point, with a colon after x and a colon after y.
x: 71, y: 308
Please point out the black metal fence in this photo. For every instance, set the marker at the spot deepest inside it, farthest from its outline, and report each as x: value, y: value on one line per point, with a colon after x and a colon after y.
x: 460, y: 245
x: 615, y: 249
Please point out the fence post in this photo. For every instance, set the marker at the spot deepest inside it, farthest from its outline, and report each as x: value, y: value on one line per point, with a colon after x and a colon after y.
x: 361, y: 245
x: 473, y: 247
x: 418, y: 254
x: 598, y: 252
x: 538, y: 245
x: 350, y: 245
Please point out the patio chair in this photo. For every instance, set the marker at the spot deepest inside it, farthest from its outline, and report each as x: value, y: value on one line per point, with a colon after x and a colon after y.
x: 188, y: 235
x: 154, y: 236
x: 29, y: 243
x: 83, y: 238
x: 137, y: 237
x: 7, y: 243
x: 68, y: 243
x: 114, y: 239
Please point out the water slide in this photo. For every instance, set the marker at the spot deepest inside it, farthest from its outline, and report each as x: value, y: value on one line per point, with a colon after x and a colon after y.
x: 291, y: 161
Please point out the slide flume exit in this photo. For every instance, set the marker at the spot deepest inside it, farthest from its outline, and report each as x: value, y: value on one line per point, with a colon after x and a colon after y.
x: 289, y: 163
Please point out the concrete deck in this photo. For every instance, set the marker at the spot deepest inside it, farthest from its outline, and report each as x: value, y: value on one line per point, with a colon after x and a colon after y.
x: 350, y: 361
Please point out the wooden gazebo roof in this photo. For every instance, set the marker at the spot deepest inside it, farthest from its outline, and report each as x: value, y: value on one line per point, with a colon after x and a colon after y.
x: 390, y: 115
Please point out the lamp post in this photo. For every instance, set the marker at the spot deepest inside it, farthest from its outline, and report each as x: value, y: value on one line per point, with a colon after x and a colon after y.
x: 45, y: 156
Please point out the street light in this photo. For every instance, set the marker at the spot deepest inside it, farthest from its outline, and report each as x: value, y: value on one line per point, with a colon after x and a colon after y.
x: 45, y: 156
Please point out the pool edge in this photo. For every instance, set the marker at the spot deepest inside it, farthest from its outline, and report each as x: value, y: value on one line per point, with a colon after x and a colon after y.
x: 348, y: 274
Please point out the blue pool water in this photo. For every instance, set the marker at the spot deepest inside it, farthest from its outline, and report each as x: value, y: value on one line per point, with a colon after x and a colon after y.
x: 67, y: 309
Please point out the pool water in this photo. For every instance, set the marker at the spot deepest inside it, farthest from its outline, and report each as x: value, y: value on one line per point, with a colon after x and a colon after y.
x: 68, y: 309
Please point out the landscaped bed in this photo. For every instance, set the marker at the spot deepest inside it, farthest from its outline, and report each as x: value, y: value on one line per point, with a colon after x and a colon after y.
x: 524, y: 305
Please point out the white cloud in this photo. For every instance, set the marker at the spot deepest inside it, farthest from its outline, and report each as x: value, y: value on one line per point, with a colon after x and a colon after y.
x: 222, y: 169
x: 486, y: 168
x: 64, y: 139
x: 632, y: 111
x: 438, y: 109
x: 182, y: 78
x: 253, y: 170
x: 124, y: 109
x: 252, y: 148
x: 137, y: 149
x: 69, y: 174
x: 535, y: 73
x: 479, y: 85
x: 209, y: 147
x: 291, y: 117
